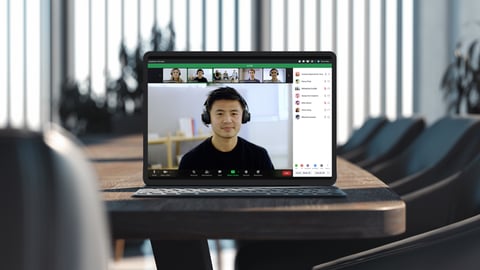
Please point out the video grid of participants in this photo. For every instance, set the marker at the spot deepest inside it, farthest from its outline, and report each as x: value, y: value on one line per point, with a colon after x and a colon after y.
x: 220, y: 75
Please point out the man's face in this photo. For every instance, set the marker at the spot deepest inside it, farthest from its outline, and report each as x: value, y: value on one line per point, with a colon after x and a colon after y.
x: 199, y: 74
x: 274, y: 74
x: 252, y: 74
x: 226, y: 118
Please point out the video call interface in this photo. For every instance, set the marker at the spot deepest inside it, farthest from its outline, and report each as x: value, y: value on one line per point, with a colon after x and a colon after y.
x: 291, y: 104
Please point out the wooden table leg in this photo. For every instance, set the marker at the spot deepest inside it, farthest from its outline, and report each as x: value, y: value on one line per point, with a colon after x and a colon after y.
x: 182, y: 254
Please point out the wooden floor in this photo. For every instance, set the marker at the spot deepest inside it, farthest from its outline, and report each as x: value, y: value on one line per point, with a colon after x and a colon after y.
x: 146, y: 261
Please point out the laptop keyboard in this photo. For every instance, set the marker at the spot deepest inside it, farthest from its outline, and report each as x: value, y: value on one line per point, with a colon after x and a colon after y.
x: 323, y: 191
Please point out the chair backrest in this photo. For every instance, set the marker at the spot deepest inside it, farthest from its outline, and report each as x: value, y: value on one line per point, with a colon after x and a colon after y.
x: 455, y: 160
x: 54, y: 217
x: 387, y: 142
x: 455, y: 246
x: 363, y: 134
x: 450, y: 200
x: 450, y: 140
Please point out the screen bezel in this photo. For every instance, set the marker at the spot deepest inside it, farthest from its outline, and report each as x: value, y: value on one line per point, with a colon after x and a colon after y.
x: 223, y: 57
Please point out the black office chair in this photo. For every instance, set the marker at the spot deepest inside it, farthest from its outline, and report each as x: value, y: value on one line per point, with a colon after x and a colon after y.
x: 362, y: 135
x: 456, y: 246
x: 392, y: 138
x: 449, y: 200
x: 440, y: 151
x: 52, y: 214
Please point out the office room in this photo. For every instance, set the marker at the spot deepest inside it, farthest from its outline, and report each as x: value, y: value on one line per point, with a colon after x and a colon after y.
x: 407, y: 118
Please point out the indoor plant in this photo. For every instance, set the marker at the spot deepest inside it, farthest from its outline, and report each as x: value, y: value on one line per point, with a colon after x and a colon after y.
x: 461, y: 80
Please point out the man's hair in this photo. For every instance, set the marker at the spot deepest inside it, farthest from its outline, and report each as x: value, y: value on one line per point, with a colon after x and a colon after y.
x: 224, y: 93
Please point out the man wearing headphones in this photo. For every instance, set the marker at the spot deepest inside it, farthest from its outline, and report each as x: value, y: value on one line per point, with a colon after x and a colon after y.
x: 274, y: 75
x: 226, y: 110
x: 200, y: 77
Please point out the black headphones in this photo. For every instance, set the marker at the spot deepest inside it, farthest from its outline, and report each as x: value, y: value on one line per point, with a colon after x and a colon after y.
x: 224, y: 93
x: 273, y: 70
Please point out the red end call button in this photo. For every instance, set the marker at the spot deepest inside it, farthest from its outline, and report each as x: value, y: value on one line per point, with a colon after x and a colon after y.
x: 286, y: 173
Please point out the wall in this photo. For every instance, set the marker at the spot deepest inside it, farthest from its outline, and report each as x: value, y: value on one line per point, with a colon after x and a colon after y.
x: 468, y: 12
x: 440, y: 24
x: 431, y: 57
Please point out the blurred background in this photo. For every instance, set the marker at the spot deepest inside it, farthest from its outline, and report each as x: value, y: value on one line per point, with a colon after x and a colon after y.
x: 78, y: 62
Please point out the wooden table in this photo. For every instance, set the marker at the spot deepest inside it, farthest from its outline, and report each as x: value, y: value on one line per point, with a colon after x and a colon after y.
x: 184, y: 224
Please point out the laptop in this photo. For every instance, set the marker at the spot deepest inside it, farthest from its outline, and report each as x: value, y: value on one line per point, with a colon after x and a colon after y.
x: 239, y: 124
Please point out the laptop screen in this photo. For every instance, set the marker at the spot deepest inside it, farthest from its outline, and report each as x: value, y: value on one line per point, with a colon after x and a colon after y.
x: 265, y: 118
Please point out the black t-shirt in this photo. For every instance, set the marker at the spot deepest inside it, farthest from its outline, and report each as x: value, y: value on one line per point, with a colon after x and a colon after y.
x: 203, y: 79
x: 245, y: 155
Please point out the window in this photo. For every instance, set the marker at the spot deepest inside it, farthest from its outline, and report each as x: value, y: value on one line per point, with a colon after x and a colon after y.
x: 373, y: 41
